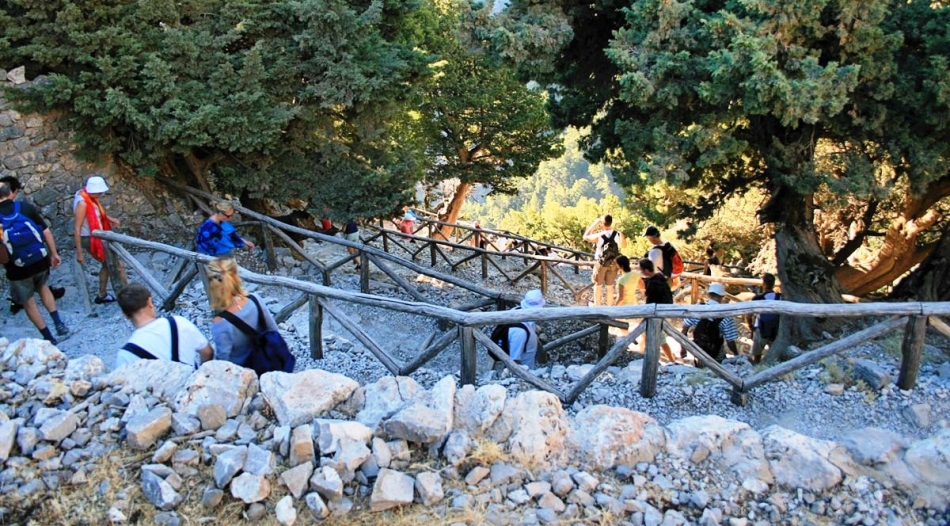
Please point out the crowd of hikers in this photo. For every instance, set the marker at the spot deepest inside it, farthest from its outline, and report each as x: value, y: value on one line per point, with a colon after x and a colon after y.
x: 244, y: 331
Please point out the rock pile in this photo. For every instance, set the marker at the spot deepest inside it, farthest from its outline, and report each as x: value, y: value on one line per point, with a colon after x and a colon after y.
x: 311, y: 444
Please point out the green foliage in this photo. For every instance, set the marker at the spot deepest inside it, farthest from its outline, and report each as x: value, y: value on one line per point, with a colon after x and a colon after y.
x: 275, y: 98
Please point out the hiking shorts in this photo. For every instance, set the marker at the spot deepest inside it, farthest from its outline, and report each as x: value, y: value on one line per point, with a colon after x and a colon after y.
x: 354, y: 237
x: 605, y: 274
x: 84, y: 241
x: 21, y: 291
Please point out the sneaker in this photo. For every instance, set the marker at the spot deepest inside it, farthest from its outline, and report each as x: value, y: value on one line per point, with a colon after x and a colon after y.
x: 58, y: 292
x: 62, y: 329
x: 108, y: 298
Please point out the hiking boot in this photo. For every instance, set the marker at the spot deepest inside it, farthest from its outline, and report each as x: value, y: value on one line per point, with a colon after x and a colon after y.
x: 108, y: 298
x: 62, y: 329
x: 58, y: 292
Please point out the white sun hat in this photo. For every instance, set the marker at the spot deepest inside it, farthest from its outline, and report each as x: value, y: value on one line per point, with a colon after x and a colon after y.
x: 717, y: 288
x: 96, y: 185
x: 533, y: 299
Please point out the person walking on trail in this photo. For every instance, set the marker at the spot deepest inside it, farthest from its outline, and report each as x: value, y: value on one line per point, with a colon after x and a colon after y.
x: 351, y: 233
x: 664, y: 256
x: 710, y: 333
x: 607, y: 245
x: 15, y: 187
x: 27, y: 252
x: 170, y: 338
x: 227, y: 294
x: 408, y: 223
x: 91, y: 215
x: 656, y: 291
x: 626, y: 283
x: 217, y: 236
x: 766, y: 325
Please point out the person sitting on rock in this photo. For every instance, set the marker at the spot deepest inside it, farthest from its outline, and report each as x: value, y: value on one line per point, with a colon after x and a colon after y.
x: 711, y: 332
x: 227, y: 294
x: 170, y: 338
x: 217, y: 236
x: 523, y: 337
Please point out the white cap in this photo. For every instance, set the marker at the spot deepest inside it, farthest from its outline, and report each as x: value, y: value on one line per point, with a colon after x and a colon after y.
x: 717, y: 288
x: 533, y: 299
x: 96, y: 185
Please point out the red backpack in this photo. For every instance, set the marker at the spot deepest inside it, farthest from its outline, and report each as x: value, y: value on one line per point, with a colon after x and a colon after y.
x: 673, y: 264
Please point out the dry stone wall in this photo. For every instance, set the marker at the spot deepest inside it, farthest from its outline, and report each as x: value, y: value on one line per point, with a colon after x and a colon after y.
x: 38, y: 150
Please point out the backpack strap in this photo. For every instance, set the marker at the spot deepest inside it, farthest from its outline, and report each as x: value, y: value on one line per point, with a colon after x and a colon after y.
x: 138, y: 351
x: 261, y: 322
x: 239, y: 323
x: 174, y: 328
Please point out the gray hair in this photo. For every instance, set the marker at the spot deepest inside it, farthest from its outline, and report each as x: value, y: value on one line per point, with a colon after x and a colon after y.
x: 5, y: 190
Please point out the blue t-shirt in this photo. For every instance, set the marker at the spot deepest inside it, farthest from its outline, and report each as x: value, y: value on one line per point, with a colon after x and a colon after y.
x: 216, y: 239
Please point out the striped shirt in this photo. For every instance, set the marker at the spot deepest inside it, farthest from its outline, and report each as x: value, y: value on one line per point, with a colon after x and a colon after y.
x: 727, y: 326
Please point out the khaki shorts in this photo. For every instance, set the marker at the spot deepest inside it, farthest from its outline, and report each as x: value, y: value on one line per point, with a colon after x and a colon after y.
x: 354, y: 237
x: 605, y: 275
x: 21, y: 291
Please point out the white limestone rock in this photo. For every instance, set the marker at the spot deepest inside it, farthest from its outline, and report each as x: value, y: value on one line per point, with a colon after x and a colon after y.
x: 30, y: 351
x: 429, y: 488
x: 85, y: 367
x: 298, y: 398
x: 162, y: 377
x: 250, y: 488
x: 799, y: 461
x: 331, y: 433
x: 477, y: 410
x: 144, y: 430
x: 217, y: 382
x: 728, y: 444
x: 535, y: 428
x: 386, y: 397
x: 285, y: 512
x: 604, y: 437
x: 392, y: 489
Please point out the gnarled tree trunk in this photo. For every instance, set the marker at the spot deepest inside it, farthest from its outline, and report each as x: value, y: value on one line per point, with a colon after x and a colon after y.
x: 931, y: 280
x: 454, y: 208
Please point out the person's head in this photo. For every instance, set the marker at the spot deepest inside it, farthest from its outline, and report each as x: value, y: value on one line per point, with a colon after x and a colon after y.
x: 624, y: 263
x: 716, y: 291
x: 224, y: 209
x: 768, y: 281
x: 95, y: 185
x: 646, y: 267
x: 710, y: 252
x: 133, y: 298
x: 13, y: 182
x: 533, y: 299
x: 224, y: 283
x: 5, y: 192
x: 608, y: 220
x: 653, y: 235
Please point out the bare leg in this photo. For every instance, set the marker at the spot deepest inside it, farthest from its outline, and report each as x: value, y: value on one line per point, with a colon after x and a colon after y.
x: 48, y: 300
x: 33, y: 313
x: 103, y: 280
x: 598, y: 301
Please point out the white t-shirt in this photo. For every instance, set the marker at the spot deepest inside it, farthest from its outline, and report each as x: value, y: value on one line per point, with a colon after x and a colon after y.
x: 84, y: 228
x: 656, y: 256
x: 156, y: 338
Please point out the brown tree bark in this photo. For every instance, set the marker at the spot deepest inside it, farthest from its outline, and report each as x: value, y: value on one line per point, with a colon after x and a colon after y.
x: 931, y: 280
x: 454, y: 208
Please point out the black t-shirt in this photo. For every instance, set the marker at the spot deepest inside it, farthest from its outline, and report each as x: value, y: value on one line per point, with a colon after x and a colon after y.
x: 658, y: 290
x: 15, y: 273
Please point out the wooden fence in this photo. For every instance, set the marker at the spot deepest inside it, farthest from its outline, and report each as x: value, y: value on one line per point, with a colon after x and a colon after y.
x: 469, y: 328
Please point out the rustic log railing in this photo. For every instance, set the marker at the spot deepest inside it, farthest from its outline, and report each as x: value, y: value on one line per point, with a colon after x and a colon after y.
x: 469, y: 327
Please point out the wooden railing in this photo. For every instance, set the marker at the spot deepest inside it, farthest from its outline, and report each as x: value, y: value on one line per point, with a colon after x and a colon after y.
x: 470, y: 327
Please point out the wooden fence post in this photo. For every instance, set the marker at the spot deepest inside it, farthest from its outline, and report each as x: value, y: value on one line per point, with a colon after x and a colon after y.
x: 694, y: 291
x: 364, y: 272
x: 385, y: 240
x: 603, y: 341
x: 469, y: 366
x: 651, y: 360
x: 432, y: 252
x: 316, y: 328
x: 484, y: 265
x: 912, y: 349
x: 269, y: 248
x: 544, y: 277
x: 113, y: 265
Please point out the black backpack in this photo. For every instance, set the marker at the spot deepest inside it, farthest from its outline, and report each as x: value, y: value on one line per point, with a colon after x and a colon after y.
x: 768, y: 322
x: 499, y: 335
x: 269, y: 350
x: 610, y: 250
x: 708, y: 337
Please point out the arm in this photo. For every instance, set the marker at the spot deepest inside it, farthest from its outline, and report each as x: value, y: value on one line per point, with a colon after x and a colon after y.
x: 51, y: 243
x: 4, y: 255
x: 77, y: 228
x: 222, y: 338
x: 206, y: 354
x: 590, y: 234
x: 730, y: 333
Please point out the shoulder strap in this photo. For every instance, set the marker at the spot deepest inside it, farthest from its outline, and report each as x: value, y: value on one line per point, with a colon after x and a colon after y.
x: 174, y: 328
x: 261, y: 322
x: 239, y: 323
x: 138, y: 351
x: 611, y: 237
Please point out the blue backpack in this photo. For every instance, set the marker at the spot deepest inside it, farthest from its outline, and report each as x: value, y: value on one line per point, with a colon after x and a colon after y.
x: 23, y: 238
x: 270, y: 351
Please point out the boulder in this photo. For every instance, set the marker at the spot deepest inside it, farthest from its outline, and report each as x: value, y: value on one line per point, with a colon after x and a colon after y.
x: 212, y: 416
x: 144, y: 430
x: 331, y: 433
x: 392, y: 489
x: 477, y: 410
x: 58, y: 426
x: 799, y: 461
x: 387, y: 396
x: 326, y: 481
x: 417, y: 423
x: 918, y: 414
x: 930, y: 459
x: 250, y: 488
x: 259, y: 461
x: 85, y: 367
x: 316, y: 506
x: 217, y: 382
x: 534, y: 427
x: 298, y: 398
x: 30, y: 351
x: 162, y: 377
x: 301, y: 445
x: 872, y: 373
x: 297, y: 479
x: 457, y: 447
x: 228, y: 464
x: 159, y: 492
x: 871, y: 446
x: 429, y: 487
x: 17, y: 75
x: 728, y: 444
x: 285, y: 512
x: 604, y: 437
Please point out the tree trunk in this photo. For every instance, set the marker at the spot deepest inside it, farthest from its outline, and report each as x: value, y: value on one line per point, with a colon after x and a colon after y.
x: 931, y: 280
x: 454, y: 208
x: 806, y: 274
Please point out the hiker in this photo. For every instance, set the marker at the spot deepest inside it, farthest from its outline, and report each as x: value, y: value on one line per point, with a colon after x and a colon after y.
x: 606, y: 250
x: 520, y: 340
x: 351, y: 232
x: 91, y: 215
x: 170, y: 338
x: 657, y: 291
x: 664, y: 256
x: 217, y: 236
x: 626, y: 284
x: 711, y: 332
x: 408, y: 223
x: 27, y: 252
x: 15, y: 187
x: 711, y: 265
x: 227, y: 295
x: 766, y: 325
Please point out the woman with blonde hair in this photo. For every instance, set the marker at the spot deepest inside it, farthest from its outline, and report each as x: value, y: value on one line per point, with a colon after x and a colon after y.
x: 217, y: 236
x: 233, y: 306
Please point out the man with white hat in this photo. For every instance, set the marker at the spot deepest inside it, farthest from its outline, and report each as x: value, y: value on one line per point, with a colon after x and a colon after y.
x: 711, y: 332
x: 91, y: 215
x: 523, y: 337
